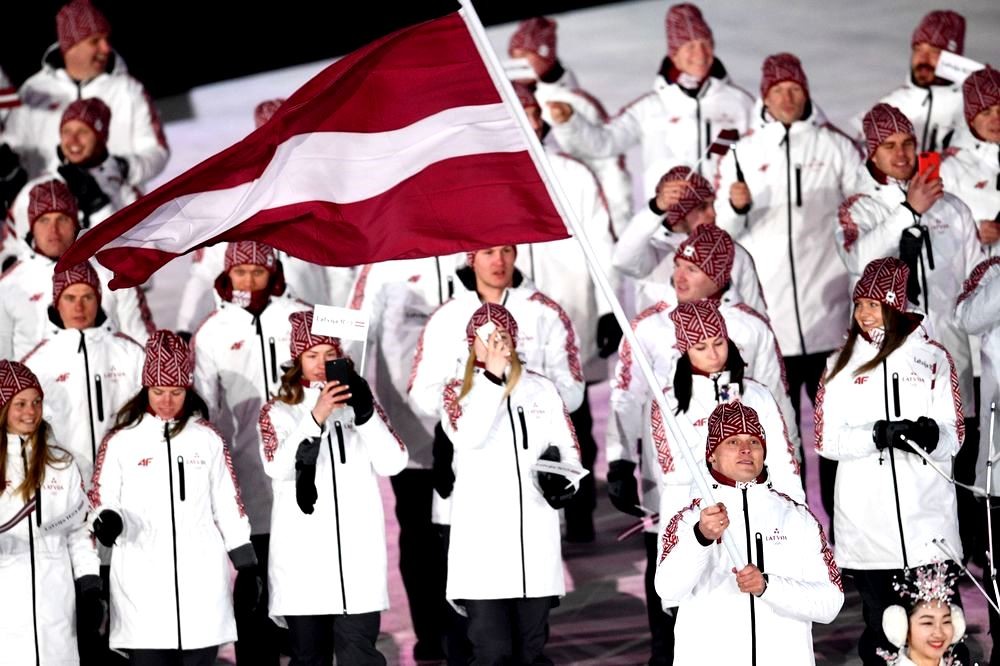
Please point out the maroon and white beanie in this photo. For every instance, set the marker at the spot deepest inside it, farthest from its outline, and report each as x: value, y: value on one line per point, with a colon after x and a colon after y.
x: 980, y: 91
x: 303, y: 339
x: 537, y: 35
x: 730, y: 419
x: 695, y: 322
x: 881, y: 122
x: 942, y: 28
x: 779, y: 68
x: 263, y: 111
x: 884, y: 280
x: 697, y: 192
x: 52, y: 196
x: 250, y: 253
x: 80, y: 274
x: 77, y: 21
x: 169, y: 361
x: 685, y: 24
x: 14, y: 378
x: 711, y: 249
x: 93, y: 113
x: 495, y: 313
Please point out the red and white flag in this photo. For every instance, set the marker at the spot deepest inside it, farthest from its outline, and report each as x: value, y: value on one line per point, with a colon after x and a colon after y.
x: 402, y: 149
x: 727, y: 139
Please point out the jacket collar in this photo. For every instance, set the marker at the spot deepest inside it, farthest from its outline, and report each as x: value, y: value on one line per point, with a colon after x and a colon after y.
x: 721, y: 479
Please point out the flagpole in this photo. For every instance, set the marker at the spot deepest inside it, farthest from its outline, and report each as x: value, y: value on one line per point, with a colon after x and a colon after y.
x: 503, y: 85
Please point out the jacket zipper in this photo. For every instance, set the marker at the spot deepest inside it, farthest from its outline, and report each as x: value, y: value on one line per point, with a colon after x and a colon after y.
x: 708, y: 133
x: 31, y: 553
x: 697, y: 112
x: 90, y: 400
x: 524, y: 428
x: 520, y: 500
x: 180, y: 477
x: 892, y: 466
x: 437, y: 267
x: 930, y: 109
x: 100, y: 397
x: 263, y: 357
x: 336, y: 509
x: 753, y: 609
x: 173, y: 534
x: 531, y: 261
x: 798, y: 185
x: 791, y: 244
x: 274, y: 361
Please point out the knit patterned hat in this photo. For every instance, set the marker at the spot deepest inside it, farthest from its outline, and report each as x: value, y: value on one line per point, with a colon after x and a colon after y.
x: 881, y: 122
x: 93, y: 113
x: 263, y: 112
x: 169, y: 361
x: 884, y: 280
x: 943, y: 29
x: 303, y: 339
x: 779, y: 68
x: 80, y: 274
x: 252, y: 253
x: 77, y: 21
x: 537, y: 35
x: 14, y: 378
x: 498, y: 314
x: 52, y: 196
x: 685, y: 24
x: 697, y: 321
x: 730, y: 419
x: 697, y: 192
x: 711, y: 249
x: 980, y: 91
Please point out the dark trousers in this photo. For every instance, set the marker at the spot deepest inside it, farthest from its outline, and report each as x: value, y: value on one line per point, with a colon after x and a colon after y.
x: 200, y: 657
x: 94, y: 650
x: 661, y: 623
x: 456, y: 627
x: 988, y: 583
x: 580, y: 511
x: 806, y: 370
x: 259, y: 638
x: 971, y: 518
x: 505, y: 632
x: 315, y: 638
x: 422, y: 560
x: 877, y: 594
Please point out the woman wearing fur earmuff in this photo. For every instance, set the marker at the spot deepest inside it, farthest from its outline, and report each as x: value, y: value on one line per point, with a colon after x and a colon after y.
x: 925, y: 625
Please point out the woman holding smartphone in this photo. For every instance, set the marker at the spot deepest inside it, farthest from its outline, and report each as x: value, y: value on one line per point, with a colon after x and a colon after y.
x: 325, y: 442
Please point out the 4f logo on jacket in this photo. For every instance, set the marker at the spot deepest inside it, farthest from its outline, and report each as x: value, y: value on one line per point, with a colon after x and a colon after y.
x: 36, y: 297
x: 237, y: 345
x: 145, y: 462
x: 981, y: 185
x: 861, y: 380
x: 63, y: 377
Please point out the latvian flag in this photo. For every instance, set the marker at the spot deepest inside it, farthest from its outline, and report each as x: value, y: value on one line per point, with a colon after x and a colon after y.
x: 402, y: 149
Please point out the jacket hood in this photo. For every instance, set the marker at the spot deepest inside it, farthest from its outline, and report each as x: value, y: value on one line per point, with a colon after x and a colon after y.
x: 52, y: 60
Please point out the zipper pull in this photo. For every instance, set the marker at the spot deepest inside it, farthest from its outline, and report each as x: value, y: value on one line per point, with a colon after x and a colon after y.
x: 274, y: 361
x: 340, y: 442
x: 180, y: 477
x: 524, y: 427
x: 100, y: 397
x: 798, y: 185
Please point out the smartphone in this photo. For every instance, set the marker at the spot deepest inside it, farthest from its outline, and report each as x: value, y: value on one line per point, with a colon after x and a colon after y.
x: 338, y: 369
x: 485, y: 331
x: 929, y: 164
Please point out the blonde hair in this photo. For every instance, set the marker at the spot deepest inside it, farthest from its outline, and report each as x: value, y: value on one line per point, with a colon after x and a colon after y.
x: 43, y: 455
x: 512, y: 377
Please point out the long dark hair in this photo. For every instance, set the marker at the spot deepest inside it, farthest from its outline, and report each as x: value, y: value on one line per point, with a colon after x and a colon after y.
x: 683, y: 376
x: 291, y: 392
x: 898, y: 327
x: 136, y: 408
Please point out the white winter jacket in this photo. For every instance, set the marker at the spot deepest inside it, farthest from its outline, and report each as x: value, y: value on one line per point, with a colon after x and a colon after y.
x: 673, y: 126
x: 87, y: 376
x: 180, y: 504
x: 921, y: 378
x: 559, y: 268
x: 674, y: 490
x: 40, y: 557
x: 238, y: 359
x: 505, y: 540
x: 936, y: 112
x: 978, y: 314
x: 971, y: 171
x: 400, y: 297
x: 646, y: 252
x: 797, y: 177
x: 332, y: 561
x: 714, y: 620
x: 546, y: 343
x: 26, y: 294
x: 135, y: 133
x: 873, y: 219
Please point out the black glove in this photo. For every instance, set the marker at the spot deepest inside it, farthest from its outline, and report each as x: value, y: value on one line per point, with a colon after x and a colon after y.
x: 185, y: 336
x: 362, y: 400
x: 925, y: 433
x: 556, y: 488
x: 623, y: 489
x: 308, y: 451
x: 910, y: 246
x: 12, y: 177
x: 90, y: 608
x: 305, y: 487
x: 122, y: 166
x: 609, y: 335
x: 442, y: 473
x: 249, y: 586
x: 107, y: 527
x: 88, y: 194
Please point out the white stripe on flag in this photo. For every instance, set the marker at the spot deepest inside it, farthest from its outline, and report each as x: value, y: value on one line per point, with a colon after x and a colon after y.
x: 340, y: 167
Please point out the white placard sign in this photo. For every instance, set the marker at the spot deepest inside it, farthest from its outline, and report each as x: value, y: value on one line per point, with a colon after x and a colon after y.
x: 956, y: 68
x: 571, y: 470
x: 343, y: 323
